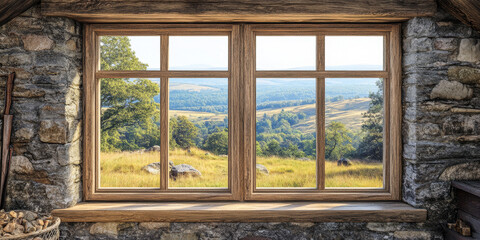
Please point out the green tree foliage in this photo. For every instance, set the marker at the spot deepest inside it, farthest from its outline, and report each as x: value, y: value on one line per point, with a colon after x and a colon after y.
x: 371, y: 146
x: 129, y: 115
x: 338, y: 142
x: 217, y: 142
x: 277, y: 137
x: 117, y: 54
x: 183, y: 132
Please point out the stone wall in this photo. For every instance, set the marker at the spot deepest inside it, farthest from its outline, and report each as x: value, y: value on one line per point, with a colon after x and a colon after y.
x: 46, y: 54
x: 441, y: 128
x: 441, y: 122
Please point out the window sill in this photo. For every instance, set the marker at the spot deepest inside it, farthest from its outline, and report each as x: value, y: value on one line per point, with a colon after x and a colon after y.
x: 242, y: 212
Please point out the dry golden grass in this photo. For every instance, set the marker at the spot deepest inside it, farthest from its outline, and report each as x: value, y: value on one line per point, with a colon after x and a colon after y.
x: 198, y: 116
x: 125, y: 170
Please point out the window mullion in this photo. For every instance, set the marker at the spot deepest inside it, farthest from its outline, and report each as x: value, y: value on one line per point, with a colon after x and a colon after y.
x: 320, y: 106
x: 164, y: 131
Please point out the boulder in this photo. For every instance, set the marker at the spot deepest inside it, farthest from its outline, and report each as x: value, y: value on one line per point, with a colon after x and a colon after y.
x: 303, y: 159
x: 154, y: 168
x: 262, y: 169
x: 185, y: 170
x: 343, y: 162
x: 154, y: 148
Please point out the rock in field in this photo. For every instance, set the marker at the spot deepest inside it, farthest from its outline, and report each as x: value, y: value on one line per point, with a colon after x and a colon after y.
x: 262, y: 169
x: 155, y: 148
x: 154, y: 168
x: 344, y: 162
x: 186, y: 170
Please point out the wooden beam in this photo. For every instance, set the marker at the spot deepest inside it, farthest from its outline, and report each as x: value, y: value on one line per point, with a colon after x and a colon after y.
x: 242, y: 212
x: 239, y: 10
x: 12, y: 8
x: 467, y: 11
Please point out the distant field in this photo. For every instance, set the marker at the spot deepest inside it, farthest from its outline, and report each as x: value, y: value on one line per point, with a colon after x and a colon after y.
x: 124, y: 169
x: 198, y: 116
x: 348, y: 112
x: 189, y: 87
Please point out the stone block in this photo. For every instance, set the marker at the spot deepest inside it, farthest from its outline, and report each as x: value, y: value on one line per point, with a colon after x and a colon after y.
x: 467, y: 75
x: 109, y: 229
x: 451, y: 91
x: 446, y: 44
x: 23, y: 135
x: 154, y: 225
x: 179, y: 236
x: 469, y: 50
x: 21, y: 165
x: 53, y: 131
x: 37, y: 42
x: 462, y: 171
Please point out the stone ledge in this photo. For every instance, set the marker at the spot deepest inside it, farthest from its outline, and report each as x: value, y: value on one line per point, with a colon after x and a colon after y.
x: 242, y: 212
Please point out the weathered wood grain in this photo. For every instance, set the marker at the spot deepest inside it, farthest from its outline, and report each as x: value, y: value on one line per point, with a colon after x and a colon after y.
x: 467, y: 11
x: 12, y: 8
x: 242, y: 212
x: 238, y: 10
x: 472, y: 187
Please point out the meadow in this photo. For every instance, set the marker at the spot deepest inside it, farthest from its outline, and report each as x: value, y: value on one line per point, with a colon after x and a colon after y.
x: 124, y: 169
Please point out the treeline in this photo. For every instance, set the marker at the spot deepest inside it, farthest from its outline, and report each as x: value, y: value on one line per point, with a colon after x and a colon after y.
x: 213, y: 101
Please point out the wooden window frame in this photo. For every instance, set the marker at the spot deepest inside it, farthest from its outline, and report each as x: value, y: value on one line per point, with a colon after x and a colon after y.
x: 241, y: 75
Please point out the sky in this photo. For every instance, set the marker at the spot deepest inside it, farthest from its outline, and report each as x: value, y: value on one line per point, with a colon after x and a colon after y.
x: 273, y: 52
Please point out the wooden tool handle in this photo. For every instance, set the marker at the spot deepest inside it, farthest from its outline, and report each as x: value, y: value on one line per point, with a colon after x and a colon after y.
x: 8, y: 95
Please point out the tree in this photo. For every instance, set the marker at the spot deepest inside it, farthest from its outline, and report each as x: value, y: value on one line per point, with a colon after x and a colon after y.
x: 217, y: 142
x: 183, y: 132
x: 371, y: 146
x: 273, y: 148
x: 127, y: 105
x: 117, y: 54
x: 338, y: 143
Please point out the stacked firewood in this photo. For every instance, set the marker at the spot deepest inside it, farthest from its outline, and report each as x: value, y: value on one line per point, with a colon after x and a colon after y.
x: 16, y: 223
x: 461, y: 227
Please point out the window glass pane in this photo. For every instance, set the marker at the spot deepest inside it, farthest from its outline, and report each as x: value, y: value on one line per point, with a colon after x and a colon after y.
x: 198, y: 53
x: 354, y: 53
x: 354, y: 132
x: 130, y: 53
x: 129, y: 133
x: 286, y: 52
x: 286, y: 133
x: 198, y: 132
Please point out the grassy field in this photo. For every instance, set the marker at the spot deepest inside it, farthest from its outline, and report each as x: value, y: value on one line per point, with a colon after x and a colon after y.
x: 125, y: 170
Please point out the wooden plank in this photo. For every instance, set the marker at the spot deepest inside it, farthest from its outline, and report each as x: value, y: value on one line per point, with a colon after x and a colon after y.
x: 235, y: 178
x: 472, y: 187
x: 162, y: 74
x: 468, y: 202
x: 89, y: 116
x: 9, y: 9
x: 321, y: 74
x: 394, y: 120
x: 238, y: 10
x: 467, y: 11
x: 164, y: 119
x: 242, y: 212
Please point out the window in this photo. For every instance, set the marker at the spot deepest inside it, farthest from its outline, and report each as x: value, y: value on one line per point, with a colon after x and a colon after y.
x: 242, y: 112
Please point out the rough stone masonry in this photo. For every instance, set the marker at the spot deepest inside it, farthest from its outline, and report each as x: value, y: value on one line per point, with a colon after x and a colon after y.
x: 441, y: 128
